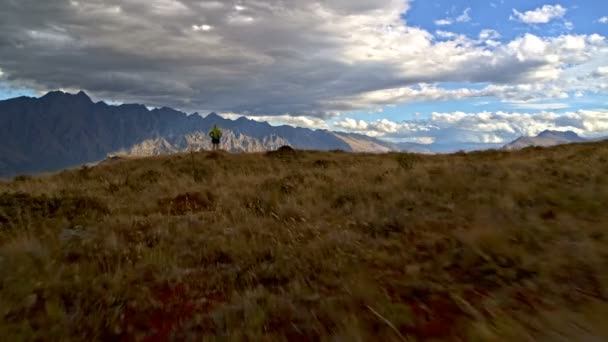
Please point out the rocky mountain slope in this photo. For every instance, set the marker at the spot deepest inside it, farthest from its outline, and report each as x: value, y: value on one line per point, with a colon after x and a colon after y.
x: 197, y: 141
x: 60, y: 130
x: 545, y: 139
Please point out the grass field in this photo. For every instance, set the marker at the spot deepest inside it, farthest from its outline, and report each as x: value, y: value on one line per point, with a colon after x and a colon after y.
x: 307, y: 246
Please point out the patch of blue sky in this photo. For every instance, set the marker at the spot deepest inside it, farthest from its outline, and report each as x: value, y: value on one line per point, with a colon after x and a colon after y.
x: 581, y: 17
x: 588, y: 101
x: 7, y: 92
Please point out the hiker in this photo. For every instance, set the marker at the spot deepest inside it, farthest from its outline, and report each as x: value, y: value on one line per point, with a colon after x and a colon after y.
x: 215, y: 135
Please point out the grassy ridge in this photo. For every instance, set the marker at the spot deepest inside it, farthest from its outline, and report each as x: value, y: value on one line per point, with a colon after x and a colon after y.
x: 310, y: 246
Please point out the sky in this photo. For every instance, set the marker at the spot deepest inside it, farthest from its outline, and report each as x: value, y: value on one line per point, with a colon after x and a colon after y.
x: 442, y: 72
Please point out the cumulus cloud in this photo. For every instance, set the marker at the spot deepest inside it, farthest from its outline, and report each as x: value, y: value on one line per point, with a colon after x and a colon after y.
x: 482, y: 128
x: 267, y: 58
x: 383, y: 127
x: 549, y: 80
x: 541, y: 15
x: 465, y: 17
x: 603, y: 20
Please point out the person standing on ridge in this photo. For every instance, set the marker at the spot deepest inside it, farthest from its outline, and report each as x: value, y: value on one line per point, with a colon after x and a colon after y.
x: 215, y: 135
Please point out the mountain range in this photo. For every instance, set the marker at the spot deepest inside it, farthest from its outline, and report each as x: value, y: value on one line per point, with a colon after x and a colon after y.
x: 545, y: 139
x: 60, y: 130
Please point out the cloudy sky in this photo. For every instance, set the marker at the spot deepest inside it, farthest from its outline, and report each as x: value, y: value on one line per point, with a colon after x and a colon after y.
x: 448, y: 72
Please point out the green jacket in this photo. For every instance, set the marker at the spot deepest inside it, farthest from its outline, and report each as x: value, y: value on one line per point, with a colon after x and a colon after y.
x: 215, y: 134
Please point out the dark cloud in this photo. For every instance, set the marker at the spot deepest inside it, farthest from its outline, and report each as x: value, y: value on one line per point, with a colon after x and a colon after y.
x: 258, y: 57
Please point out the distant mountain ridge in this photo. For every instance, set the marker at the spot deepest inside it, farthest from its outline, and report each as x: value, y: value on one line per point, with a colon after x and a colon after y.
x: 60, y: 130
x: 545, y: 139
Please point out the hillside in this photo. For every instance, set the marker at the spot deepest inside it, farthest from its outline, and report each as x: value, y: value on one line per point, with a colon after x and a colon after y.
x: 486, y: 246
x: 62, y: 130
x: 545, y: 139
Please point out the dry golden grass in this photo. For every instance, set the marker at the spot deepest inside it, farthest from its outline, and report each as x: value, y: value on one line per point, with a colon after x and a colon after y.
x: 488, y: 246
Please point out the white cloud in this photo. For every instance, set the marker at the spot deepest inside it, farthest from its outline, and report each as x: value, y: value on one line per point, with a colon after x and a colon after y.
x: 539, y: 106
x: 353, y: 125
x: 529, y: 47
x: 443, y: 22
x: 277, y: 120
x: 603, y: 20
x: 574, y: 43
x: 423, y: 140
x: 381, y: 127
x: 492, y: 43
x: 201, y: 27
x: 445, y: 34
x: 540, y: 15
x: 483, y: 127
x: 464, y: 17
x: 556, y: 63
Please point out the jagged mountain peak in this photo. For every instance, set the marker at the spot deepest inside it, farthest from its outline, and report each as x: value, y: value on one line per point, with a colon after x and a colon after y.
x: 214, y: 115
x: 81, y: 94
x: 60, y: 95
x: 53, y: 94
